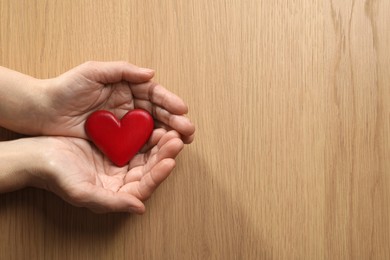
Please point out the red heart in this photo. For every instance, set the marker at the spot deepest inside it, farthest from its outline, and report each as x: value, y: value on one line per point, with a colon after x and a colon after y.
x: 121, y: 139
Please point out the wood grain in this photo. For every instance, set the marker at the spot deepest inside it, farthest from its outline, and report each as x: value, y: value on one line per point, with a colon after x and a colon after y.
x: 291, y: 100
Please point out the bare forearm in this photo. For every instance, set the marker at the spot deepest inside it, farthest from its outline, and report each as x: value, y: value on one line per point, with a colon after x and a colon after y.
x: 21, y: 102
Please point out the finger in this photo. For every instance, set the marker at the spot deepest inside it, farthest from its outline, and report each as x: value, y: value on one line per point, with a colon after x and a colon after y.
x: 169, y: 150
x: 149, y: 182
x: 142, y: 165
x: 144, y: 104
x: 167, y: 137
x: 153, y: 140
x: 157, y: 94
x: 101, y: 200
x: 188, y: 139
x: 185, y: 139
x: 134, y: 175
x: 115, y: 71
x: 159, y: 124
x: 142, y: 158
x: 155, y: 177
x: 178, y: 122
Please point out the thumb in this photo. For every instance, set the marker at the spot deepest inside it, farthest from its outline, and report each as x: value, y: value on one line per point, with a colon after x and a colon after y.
x: 115, y: 71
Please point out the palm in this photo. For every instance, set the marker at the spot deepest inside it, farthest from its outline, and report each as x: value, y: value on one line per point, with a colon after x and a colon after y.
x: 89, y: 166
x: 84, y: 177
x: 116, y: 98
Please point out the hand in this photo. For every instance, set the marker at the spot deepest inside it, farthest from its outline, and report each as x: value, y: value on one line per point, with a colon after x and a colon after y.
x: 114, y: 86
x: 81, y: 175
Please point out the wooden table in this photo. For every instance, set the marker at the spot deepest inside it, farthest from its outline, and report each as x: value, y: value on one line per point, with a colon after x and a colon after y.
x: 291, y: 100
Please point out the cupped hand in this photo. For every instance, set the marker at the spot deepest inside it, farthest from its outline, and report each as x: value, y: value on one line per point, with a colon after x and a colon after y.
x: 82, y: 176
x: 114, y: 86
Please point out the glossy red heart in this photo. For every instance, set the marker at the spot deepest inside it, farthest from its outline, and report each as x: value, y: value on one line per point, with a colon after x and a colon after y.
x: 118, y: 139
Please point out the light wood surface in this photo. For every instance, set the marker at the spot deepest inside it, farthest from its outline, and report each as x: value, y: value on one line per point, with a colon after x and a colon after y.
x: 291, y: 100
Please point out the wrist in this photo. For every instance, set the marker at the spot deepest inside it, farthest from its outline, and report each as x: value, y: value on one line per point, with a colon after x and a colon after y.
x: 21, y: 164
x: 22, y: 103
x: 41, y: 105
